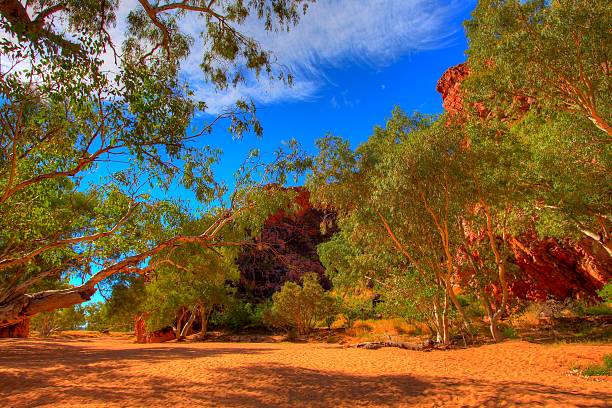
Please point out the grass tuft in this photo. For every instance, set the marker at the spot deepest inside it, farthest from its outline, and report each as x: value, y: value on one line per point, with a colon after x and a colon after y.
x: 599, y: 370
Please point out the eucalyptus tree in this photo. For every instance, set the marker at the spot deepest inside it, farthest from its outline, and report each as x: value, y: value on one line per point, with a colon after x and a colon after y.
x: 67, y: 121
x: 434, y: 205
x: 552, y: 54
x: 420, y: 193
x: 569, y: 178
x: 188, y: 285
x: 542, y: 71
x: 401, y: 192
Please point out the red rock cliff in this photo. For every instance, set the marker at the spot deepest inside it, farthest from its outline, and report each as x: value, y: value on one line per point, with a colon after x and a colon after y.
x: 548, y: 267
x: 289, y: 250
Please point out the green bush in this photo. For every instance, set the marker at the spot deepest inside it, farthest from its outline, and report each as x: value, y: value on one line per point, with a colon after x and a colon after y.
x: 595, y: 370
x: 357, y: 309
x: 509, y: 332
x: 300, y: 307
x: 606, y: 293
x: 239, y: 315
x: 602, y: 309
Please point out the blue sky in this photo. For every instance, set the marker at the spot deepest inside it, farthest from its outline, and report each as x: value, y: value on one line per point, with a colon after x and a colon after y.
x: 354, y: 60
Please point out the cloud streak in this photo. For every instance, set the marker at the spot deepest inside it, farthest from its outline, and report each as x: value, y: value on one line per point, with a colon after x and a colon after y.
x: 337, y: 33
x: 333, y: 34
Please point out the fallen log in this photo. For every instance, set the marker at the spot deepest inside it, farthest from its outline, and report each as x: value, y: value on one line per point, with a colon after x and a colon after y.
x: 375, y: 345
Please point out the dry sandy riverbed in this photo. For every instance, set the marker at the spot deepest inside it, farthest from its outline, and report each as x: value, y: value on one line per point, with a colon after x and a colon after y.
x: 116, y: 372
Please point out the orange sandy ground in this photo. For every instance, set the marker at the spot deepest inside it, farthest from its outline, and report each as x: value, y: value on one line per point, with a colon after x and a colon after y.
x: 116, y: 372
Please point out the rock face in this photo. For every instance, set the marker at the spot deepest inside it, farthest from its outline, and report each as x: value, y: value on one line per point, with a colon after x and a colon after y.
x: 157, y: 336
x: 449, y: 85
x: 548, y: 267
x: 287, y: 250
x: 21, y: 329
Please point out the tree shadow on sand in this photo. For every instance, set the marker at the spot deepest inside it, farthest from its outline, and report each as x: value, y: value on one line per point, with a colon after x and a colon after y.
x: 29, y: 355
x: 86, y: 372
x: 284, y: 386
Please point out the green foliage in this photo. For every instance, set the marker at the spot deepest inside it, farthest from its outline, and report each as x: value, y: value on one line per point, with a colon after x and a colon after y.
x: 550, y: 57
x: 198, y: 285
x: 427, y: 201
x: 556, y: 53
x: 64, y: 116
x: 238, y: 315
x: 602, y: 309
x: 70, y: 318
x: 606, y: 292
x: 608, y: 360
x: 300, y: 307
x: 508, y: 332
x: 354, y: 308
x: 118, y: 312
x: 413, y: 169
x: 596, y: 370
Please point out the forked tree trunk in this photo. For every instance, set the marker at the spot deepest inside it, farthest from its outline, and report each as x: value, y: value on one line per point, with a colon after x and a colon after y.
x: 441, y: 321
x: 187, y: 326
x: 492, y: 316
x: 497, y: 336
x: 501, y: 273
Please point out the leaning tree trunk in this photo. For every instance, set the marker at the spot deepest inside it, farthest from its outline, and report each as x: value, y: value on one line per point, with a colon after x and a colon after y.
x: 495, y: 333
x: 22, y: 307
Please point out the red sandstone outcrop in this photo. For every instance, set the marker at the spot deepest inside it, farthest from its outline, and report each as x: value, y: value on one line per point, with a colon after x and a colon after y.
x: 157, y: 336
x: 449, y: 85
x: 549, y: 268
x: 287, y: 249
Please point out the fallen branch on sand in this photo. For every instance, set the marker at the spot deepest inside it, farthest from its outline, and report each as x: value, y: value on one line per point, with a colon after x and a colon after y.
x: 425, y: 346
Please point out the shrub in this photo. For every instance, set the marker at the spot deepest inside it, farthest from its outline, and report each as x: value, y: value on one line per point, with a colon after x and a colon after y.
x: 606, y: 293
x: 602, y: 309
x: 509, y: 332
x: 300, y: 307
x: 354, y: 309
x: 595, y: 370
x: 239, y: 315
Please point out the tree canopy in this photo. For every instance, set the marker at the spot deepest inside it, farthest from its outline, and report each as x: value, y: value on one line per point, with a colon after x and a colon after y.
x: 87, y: 154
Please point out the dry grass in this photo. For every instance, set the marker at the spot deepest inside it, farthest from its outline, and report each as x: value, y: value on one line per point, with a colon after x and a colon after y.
x: 77, y: 334
x: 384, y: 328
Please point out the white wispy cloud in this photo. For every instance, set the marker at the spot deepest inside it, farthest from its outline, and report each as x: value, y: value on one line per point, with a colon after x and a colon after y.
x: 336, y: 33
